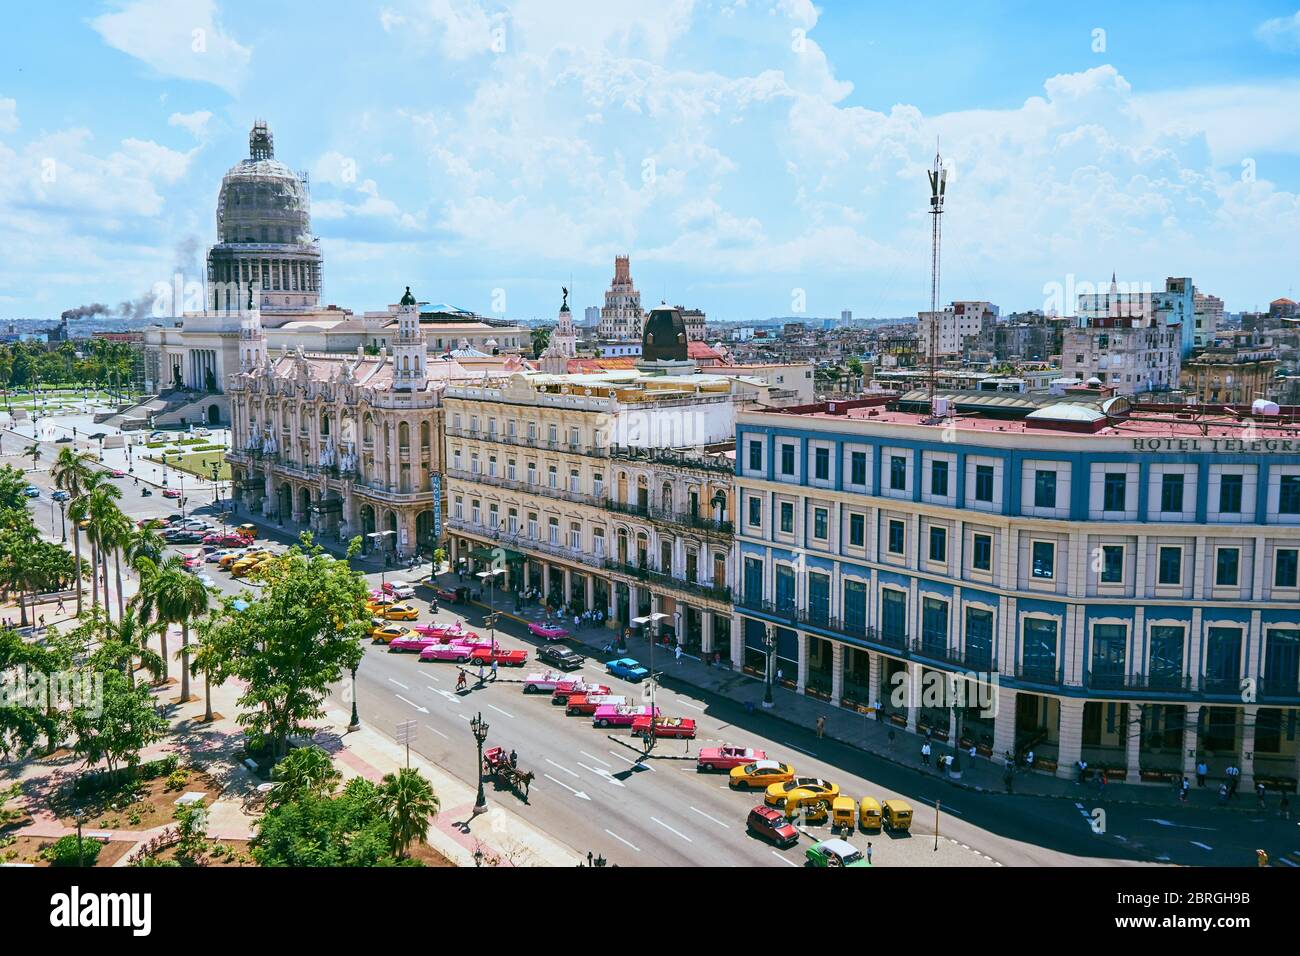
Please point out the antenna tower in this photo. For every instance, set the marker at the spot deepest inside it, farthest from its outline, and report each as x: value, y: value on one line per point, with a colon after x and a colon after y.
x: 938, y: 181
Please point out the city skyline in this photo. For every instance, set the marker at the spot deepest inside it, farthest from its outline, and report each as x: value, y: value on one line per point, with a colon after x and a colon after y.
x: 753, y: 159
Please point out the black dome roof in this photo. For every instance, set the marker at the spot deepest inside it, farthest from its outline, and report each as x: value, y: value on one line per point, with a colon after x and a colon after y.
x: 664, y: 338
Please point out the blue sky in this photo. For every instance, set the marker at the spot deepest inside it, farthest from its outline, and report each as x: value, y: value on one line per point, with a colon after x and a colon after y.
x: 742, y: 151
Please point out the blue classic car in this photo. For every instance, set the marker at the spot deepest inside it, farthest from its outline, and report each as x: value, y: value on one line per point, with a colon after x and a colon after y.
x: 627, y: 669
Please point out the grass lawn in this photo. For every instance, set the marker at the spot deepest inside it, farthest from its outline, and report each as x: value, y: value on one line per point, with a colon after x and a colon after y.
x: 197, y: 463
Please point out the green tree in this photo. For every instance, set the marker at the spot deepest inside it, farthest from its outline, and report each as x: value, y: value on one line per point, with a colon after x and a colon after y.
x: 302, y: 635
x: 12, y: 483
x: 33, y: 451
x: 23, y: 720
x: 409, y: 805
x: 541, y: 339
x: 208, y: 659
x: 304, y: 772
x: 345, y: 830
x: 72, y: 474
x: 125, y: 720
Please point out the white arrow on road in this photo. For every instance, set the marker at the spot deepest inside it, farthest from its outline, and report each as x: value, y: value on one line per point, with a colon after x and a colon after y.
x: 1181, y: 826
x: 398, y: 683
x: 423, y: 710
x: 558, y: 767
x: 577, y: 793
x: 603, y: 774
x: 451, y: 698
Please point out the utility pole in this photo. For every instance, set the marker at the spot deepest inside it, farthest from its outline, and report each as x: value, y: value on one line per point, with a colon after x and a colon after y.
x: 938, y: 182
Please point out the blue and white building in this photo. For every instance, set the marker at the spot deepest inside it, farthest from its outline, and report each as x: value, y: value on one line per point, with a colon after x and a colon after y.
x: 1124, y: 581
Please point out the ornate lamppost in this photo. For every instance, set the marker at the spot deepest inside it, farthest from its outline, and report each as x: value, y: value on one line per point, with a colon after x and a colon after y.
x: 480, y: 729
x: 356, y: 718
x: 769, y: 648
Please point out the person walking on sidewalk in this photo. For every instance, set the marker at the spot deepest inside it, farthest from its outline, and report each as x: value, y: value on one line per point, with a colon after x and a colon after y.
x: 1223, y: 794
x: 1101, y: 784
x: 1284, y: 807
x: 1201, y: 771
x: 1182, y: 791
x: 821, y: 727
x: 494, y: 670
x: 678, y: 655
x: 868, y: 853
x: 1260, y: 791
x: 925, y: 753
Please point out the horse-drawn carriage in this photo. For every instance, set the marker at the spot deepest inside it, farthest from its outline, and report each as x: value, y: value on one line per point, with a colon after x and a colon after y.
x: 498, y: 766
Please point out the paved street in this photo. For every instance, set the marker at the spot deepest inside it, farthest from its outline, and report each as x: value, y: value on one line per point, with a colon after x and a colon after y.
x: 594, y: 793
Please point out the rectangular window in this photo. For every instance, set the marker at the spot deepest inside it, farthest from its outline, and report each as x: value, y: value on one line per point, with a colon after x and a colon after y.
x: 1044, y: 489
x: 982, y: 552
x: 753, y: 581
x: 857, y: 530
x: 553, y: 531
x: 858, y: 468
x: 787, y: 517
x: 934, y: 626
x: 755, y: 511
x: 1227, y: 567
x: 1170, y: 570
x: 1223, y: 659
x: 897, y: 473
x: 819, y: 597
x: 939, y: 479
x: 822, y: 464
x: 984, y: 483
x: 893, y: 617
x: 1230, y: 494
x: 1288, y: 498
x: 575, y: 537
x: 552, y: 434
x: 1165, y: 667
x: 532, y: 527
x: 979, y: 639
x: 1039, y: 649
x: 1109, y: 644
x: 1112, y: 564
x: 1285, y: 564
x: 510, y: 469
x: 755, y: 456
x: 820, y: 531
x: 855, y: 606
x: 1281, y: 662
x: 938, y: 544
x: 1043, y: 559
x: 787, y: 459
x: 1171, y: 493
x: 784, y: 588
x: 897, y: 537
x: 1114, y: 491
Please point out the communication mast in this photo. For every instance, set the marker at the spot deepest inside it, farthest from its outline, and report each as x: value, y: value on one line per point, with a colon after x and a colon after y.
x: 938, y: 181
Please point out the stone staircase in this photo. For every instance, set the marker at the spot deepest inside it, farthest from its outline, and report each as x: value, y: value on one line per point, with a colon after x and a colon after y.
x: 167, y: 408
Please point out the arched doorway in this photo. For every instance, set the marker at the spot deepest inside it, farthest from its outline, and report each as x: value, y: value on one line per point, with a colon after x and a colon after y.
x: 424, y: 532
x: 284, y: 502
x: 304, y: 503
x: 214, y: 414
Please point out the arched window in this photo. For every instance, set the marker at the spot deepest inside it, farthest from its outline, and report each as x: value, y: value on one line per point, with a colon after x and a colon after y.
x: 666, y: 497
x: 325, y: 425
x: 404, y: 436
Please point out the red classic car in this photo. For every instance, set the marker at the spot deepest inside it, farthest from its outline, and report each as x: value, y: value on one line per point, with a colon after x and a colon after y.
x: 724, y: 758
x: 486, y: 655
x: 586, y: 704
x: 683, y: 728
x: 568, y: 688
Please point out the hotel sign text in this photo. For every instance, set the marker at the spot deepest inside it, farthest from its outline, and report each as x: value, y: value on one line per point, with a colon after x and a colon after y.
x: 1240, y: 445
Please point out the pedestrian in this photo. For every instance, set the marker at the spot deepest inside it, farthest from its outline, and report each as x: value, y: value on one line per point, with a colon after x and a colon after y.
x: 1260, y: 791
x: 1233, y: 780
x: 480, y: 672
x: 1284, y: 807
x: 60, y: 609
x: 780, y: 675
x: 42, y: 621
x: 973, y: 752
x: 868, y: 853
x: 925, y: 753
x: 1182, y: 790
x: 1201, y: 771
x: 821, y: 727
x: 880, y: 714
x: 891, y: 739
x: 1261, y: 858
x: 1083, y: 769
x: 1029, y: 760
x: 494, y: 670
x: 679, y: 655
x: 514, y: 758
x: 1101, y: 784
x: 1223, y: 794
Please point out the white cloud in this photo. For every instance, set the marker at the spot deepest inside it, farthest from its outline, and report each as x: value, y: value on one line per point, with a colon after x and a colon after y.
x: 8, y: 115
x: 195, y: 123
x: 181, y: 38
x: 1281, y: 33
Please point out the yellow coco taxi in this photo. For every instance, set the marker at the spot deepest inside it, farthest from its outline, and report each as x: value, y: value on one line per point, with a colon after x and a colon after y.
x: 760, y: 773
x: 869, y: 814
x: 384, y: 632
x: 802, y: 790
x: 897, y: 815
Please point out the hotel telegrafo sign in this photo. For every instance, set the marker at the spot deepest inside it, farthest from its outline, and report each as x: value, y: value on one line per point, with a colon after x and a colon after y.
x: 1237, y: 445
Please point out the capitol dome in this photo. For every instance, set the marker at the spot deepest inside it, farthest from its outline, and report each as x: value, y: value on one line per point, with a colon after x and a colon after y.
x: 664, y: 336
x: 264, y: 234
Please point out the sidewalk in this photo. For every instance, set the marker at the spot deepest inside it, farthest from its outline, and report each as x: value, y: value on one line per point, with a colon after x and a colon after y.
x: 871, y: 735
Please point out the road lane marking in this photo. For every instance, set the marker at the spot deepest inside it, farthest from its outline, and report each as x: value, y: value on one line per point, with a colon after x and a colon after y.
x: 782, y: 858
x: 671, y: 830
x: 597, y: 759
x: 398, y: 683
x: 945, y: 808
x: 560, y: 767
x: 1203, y: 846
x: 423, y: 710
x: 635, y: 763
x: 577, y: 793
x: 438, y: 732
x: 436, y: 680
x: 621, y: 840
x: 800, y: 749
x: 725, y: 826
x: 603, y: 775
x: 500, y: 711
x: 687, y: 703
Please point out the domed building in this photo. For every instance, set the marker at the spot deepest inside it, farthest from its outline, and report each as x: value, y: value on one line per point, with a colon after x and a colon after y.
x: 664, y: 342
x: 264, y: 234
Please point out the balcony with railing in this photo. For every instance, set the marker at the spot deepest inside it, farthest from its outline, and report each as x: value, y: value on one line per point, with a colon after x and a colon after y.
x: 1043, y: 675
x: 674, y: 458
x: 1137, y: 683
x: 1280, y: 689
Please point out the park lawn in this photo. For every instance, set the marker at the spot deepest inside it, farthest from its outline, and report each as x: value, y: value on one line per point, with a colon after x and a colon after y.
x: 197, y: 463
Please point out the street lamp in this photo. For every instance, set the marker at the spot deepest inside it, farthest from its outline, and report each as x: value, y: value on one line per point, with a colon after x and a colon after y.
x: 651, y: 624
x: 356, y: 718
x: 378, y: 538
x: 489, y: 577
x: 480, y: 728
x: 769, y: 647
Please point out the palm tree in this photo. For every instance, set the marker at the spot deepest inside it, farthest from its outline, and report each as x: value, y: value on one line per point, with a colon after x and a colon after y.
x: 70, y: 473
x: 33, y: 451
x: 143, y: 542
x: 305, y: 772
x: 101, y: 507
x: 208, y: 658
x: 117, y: 535
x: 409, y: 803
x: 184, y: 597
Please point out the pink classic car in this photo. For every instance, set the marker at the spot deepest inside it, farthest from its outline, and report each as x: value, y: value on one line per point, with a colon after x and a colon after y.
x: 456, y: 651
x: 724, y: 758
x: 410, y: 643
x: 547, y: 632
x: 445, y: 633
x: 620, y: 716
x: 543, y: 681
x: 572, y: 686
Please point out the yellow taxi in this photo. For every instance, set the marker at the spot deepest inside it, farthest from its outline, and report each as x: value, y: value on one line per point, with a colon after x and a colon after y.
x: 897, y: 815
x: 844, y: 814
x: 376, y: 605
x: 397, y: 612
x: 801, y: 789
x: 381, y: 632
x: 869, y: 814
x: 760, y: 773
x: 227, y: 560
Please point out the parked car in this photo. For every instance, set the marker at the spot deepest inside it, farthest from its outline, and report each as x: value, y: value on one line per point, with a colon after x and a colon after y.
x: 171, y: 493
x: 452, y: 595
x: 760, y: 773
x: 31, y: 491
x: 455, y: 651
x: 573, y: 687
x: 834, y: 853
x: 400, y: 590
x: 610, y: 715
x: 681, y: 728
x: 446, y: 632
x: 223, y: 540
x: 557, y: 655
x: 118, y: 473
x: 547, y: 632
x: 193, y: 560
x: 397, y: 612
x: 487, y: 654
x: 869, y: 814
x: 61, y: 495
x: 542, y: 681
x: 710, y: 759
x: 410, y: 643
x: 800, y: 789
x: 586, y: 705
x: 771, y: 825
x: 628, y: 669
x: 896, y: 815
x: 388, y: 632
x: 184, y: 537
